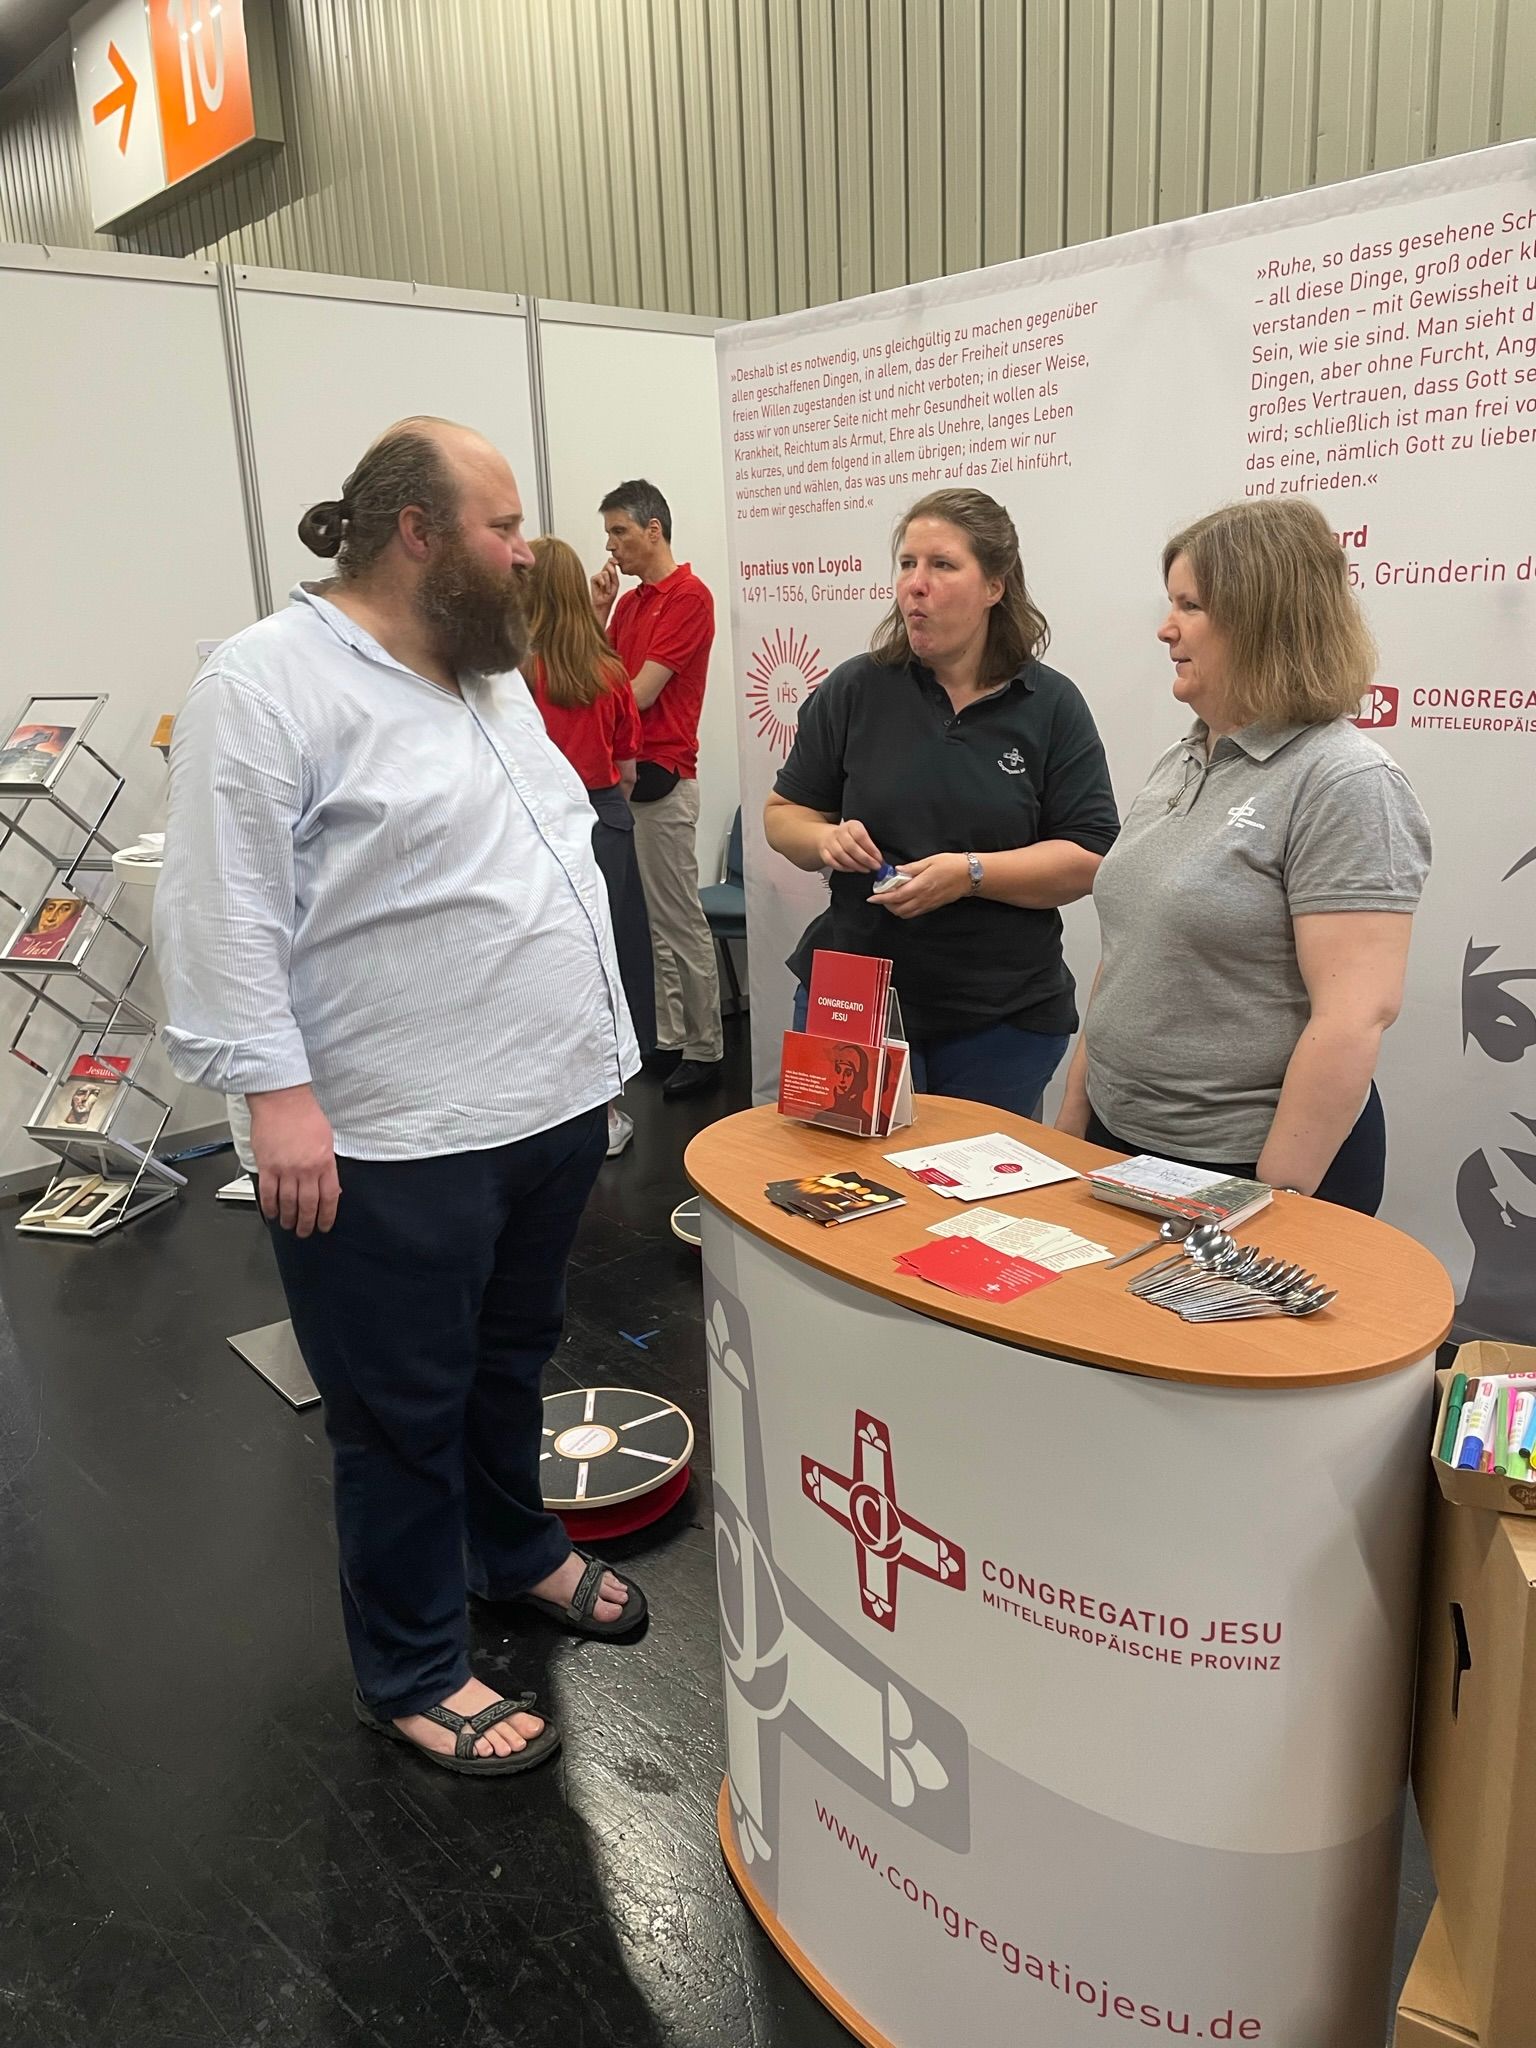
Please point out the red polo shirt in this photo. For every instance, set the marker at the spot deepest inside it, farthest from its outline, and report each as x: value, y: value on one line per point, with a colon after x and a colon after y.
x: 593, y: 737
x: 672, y: 622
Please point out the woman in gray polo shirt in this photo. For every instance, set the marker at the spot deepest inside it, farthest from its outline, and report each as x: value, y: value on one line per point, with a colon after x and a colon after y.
x: 1256, y: 909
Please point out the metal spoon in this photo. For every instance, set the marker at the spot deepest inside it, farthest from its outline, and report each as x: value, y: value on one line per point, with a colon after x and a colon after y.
x: 1174, y: 1231
x: 1309, y: 1302
x: 1287, y: 1278
x: 1228, y: 1260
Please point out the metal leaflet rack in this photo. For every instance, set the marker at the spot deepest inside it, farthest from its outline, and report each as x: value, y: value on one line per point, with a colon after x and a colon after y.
x: 106, y: 962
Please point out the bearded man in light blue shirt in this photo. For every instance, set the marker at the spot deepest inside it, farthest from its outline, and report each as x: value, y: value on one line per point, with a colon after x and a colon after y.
x: 380, y: 922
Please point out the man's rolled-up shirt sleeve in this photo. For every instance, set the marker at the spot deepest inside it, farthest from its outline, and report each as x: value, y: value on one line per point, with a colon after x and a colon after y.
x: 225, y: 908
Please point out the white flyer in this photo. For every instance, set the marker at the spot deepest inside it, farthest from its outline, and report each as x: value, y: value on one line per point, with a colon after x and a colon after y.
x: 974, y: 1167
x: 1048, y: 1244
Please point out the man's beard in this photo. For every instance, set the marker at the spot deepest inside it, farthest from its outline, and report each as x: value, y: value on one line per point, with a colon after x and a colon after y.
x: 475, y: 617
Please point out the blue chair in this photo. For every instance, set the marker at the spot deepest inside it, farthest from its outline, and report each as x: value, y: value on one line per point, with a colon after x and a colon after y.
x: 725, y: 906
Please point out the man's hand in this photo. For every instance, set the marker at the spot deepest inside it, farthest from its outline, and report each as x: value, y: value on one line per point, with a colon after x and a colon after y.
x: 605, y: 588
x: 295, y: 1160
x: 937, y: 879
x: 849, y: 848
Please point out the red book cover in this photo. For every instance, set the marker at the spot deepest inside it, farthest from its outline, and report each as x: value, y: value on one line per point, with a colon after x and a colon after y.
x: 830, y: 1081
x: 51, y: 929
x: 848, y: 992
x: 92, y: 1066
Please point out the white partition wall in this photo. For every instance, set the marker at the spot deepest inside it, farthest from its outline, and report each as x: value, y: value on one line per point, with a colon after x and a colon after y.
x: 122, y: 541
x: 633, y: 394
x: 328, y: 362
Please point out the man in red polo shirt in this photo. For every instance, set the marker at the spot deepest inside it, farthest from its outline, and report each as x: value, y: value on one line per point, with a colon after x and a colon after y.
x: 663, y: 631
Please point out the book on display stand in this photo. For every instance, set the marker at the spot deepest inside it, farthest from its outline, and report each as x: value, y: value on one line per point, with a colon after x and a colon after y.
x: 39, y: 743
x: 850, y: 1069
x: 86, y: 1089
x: 56, y: 932
x: 105, y: 1176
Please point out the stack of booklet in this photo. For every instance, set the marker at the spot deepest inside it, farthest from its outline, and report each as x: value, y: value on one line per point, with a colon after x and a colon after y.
x: 1163, y: 1187
x: 850, y: 1067
x: 77, y: 1203
x: 833, y: 1197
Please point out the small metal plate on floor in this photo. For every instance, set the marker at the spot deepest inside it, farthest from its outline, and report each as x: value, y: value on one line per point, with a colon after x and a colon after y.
x: 274, y: 1352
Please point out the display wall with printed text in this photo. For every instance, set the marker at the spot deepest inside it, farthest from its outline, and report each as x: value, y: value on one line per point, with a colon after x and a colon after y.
x: 1372, y: 345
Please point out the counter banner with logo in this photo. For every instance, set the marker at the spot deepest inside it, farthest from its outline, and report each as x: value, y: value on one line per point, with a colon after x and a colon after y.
x: 1372, y: 345
x: 1011, y: 1733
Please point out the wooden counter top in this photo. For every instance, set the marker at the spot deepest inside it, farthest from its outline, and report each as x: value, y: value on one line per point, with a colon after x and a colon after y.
x: 1394, y: 1306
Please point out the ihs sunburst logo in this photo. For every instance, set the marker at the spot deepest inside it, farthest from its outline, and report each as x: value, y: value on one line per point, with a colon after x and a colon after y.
x: 780, y: 676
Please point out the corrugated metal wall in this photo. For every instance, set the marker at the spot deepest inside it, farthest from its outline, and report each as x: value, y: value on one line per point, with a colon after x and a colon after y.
x: 744, y: 157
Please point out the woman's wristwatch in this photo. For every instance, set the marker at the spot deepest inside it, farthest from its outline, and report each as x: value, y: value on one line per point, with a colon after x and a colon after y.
x: 974, y: 864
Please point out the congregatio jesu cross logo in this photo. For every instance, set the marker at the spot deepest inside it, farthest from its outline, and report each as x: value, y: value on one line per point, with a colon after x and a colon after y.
x: 889, y: 1539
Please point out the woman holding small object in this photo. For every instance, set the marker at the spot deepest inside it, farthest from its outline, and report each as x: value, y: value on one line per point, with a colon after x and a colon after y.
x: 583, y: 694
x: 1256, y: 910
x: 956, y: 789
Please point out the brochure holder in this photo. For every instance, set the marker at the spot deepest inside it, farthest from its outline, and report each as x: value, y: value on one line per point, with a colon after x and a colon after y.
x: 76, y: 960
x: 901, y: 1112
x: 850, y: 1069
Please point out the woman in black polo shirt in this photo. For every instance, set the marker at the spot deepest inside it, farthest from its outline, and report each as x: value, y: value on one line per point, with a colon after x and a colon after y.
x: 952, y: 752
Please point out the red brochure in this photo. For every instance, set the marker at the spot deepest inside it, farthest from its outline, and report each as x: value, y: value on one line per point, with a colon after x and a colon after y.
x: 964, y: 1265
x: 831, y: 1081
x: 848, y: 992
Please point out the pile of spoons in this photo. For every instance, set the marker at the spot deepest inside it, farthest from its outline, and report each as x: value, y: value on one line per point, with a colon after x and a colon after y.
x: 1216, y: 1280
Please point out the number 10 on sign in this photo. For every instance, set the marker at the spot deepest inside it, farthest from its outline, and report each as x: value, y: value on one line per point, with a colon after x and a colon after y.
x: 203, y: 80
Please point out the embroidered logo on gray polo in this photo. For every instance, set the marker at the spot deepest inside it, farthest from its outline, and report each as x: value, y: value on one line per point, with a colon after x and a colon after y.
x: 1242, y: 814
x: 1013, y: 762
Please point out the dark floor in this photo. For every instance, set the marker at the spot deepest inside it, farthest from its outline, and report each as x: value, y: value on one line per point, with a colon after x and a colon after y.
x: 198, y: 1847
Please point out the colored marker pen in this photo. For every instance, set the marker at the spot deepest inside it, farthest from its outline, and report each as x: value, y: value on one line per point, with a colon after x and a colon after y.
x: 1453, y: 1408
x: 1477, y: 1419
x: 1528, y: 1438
x: 1517, y: 1464
x: 1500, y: 1431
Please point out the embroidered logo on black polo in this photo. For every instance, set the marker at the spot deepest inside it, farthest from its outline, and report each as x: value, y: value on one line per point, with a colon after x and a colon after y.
x: 1013, y: 762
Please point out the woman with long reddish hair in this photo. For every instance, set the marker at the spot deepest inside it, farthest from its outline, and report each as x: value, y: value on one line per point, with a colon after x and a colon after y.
x: 589, y: 711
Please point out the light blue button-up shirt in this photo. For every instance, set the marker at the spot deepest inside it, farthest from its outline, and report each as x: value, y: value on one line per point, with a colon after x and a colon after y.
x: 385, y: 890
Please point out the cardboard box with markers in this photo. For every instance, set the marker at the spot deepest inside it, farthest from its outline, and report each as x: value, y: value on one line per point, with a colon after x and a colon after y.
x: 1474, y: 1769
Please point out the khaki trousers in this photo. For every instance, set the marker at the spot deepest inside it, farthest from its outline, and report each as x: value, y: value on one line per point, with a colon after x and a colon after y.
x: 687, y: 980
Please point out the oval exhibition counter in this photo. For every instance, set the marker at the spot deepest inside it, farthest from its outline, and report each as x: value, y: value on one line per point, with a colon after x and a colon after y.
x: 1068, y: 1647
